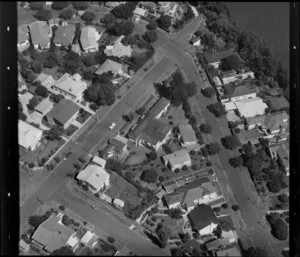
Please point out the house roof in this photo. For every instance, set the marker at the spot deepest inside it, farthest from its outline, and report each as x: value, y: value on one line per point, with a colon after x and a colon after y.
x: 178, y: 157
x: 87, y: 237
x: 139, y: 11
x: 251, y: 107
x: 257, y: 120
x: 119, y: 202
x: 202, y: 216
x: 170, y: 186
x: 44, y: 79
x: 275, y: 121
x: 64, y: 111
x: 28, y: 134
x: 161, y: 104
x: 118, y: 142
x: 187, y: 133
x: 236, y: 91
x: 226, y: 74
x: 88, y: 37
x: 53, y: 234
x: 64, y: 35
x: 94, y: 175
x: 101, y: 162
x: 248, y: 135
x: 118, y: 49
x: 110, y: 65
x: 195, y: 39
x: 173, y: 198
x: 22, y: 34
x: 216, y: 57
x: 44, y: 106
x: 39, y: 32
x: 71, y: 84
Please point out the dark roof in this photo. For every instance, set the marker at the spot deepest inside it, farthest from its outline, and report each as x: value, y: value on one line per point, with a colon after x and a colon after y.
x: 64, y: 35
x: 248, y: 135
x: 232, y: 90
x: 216, y: 57
x: 202, y: 216
x: 64, y: 111
x: 170, y: 186
x: 116, y: 143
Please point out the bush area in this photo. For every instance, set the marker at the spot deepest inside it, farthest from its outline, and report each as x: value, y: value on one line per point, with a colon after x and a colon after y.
x: 279, y: 228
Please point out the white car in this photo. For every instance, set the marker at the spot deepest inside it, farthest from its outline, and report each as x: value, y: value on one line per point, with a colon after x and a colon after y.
x: 112, y: 126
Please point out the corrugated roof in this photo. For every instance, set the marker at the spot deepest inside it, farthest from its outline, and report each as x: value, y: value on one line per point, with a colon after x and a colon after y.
x: 64, y: 35
x: 39, y: 31
x: 64, y: 111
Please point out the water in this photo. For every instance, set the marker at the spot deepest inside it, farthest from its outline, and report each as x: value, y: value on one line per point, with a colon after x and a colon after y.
x: 269, y: 21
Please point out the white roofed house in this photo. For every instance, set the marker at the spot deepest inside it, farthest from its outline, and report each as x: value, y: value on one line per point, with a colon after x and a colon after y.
x: 99, y: 161
x: 118, y: 49
x: 23, y: 38
x: 29, y: 136
x: 89, y: 239
x: 138, y: 13
x: 40, y: 34
x: 177, y: 159
x: 95, y: 177
x: 71, y: 87
x: 114, y: 67
x: 251, y: 107
x: 89, y: 38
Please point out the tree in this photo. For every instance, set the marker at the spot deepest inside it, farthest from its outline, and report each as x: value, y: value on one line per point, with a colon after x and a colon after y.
x: 283, y: 198
x: 36, y: 5
x: 175, y: 213
x: 176, y: 251
x: 128, y: 117
x: 230, y: 142
x: 87, y: 75
x: 33, y: 102
x: 232, y: 62
x: 208, y: 92
x: 36, y: 220
x: 42, y: 91
x: 205, y: 128
x: 63, y: 251
x: 108, y: 20
x: 36, y: 67
x: 255, y: 252
x: 43, y: 15
x: 66, y: 14
x: 57, y: 98
x: 164, y: 21
x: 122, y: 11
x: 59, y: 5
x: 149, y: 176
x: 236, y: 161
x: 123, y: 28
x: 54, y: 133
x: 163, y: 232
x: 152, y: 155
x: 279, y: 228
x: 150, y: 36
x: 88, y: 17
x: 217, y: 109
x: 114, y: 164
x: 30, y: 78
x: 247, y: 149
x: 140, y: 110
x: 111, y: 240
x: 235, y: 207
x: 22, y: 116
x: 152, y: 25
x: 80, y: 5
x: 213, y: 148
x: 89, y: 60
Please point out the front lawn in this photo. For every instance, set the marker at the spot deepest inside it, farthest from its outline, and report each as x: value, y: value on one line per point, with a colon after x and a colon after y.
x: 226, y: 223
x: 71, y: 130
x: 102, y: 248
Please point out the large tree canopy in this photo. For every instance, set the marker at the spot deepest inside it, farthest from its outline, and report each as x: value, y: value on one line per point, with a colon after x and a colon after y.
x: 43, y: 15
x: 232, y: 62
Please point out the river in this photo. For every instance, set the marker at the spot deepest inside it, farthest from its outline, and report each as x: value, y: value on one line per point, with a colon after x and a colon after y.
x: 269, y: 21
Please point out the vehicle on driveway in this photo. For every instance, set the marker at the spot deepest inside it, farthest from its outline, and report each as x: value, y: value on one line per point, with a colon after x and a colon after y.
x: 112, y: 125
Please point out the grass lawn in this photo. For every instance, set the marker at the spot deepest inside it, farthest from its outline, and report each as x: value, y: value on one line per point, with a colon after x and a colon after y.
x: 71, y: 130
x: 175, y: 225
x: 138, y: 157
x: 226, y: 223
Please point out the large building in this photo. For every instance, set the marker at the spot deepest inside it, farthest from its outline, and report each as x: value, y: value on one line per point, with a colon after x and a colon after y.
x: 29, y: 136
x: 95, y: 177
x: 177, y: 159
x: 40, y: 34
x: 251, y: 107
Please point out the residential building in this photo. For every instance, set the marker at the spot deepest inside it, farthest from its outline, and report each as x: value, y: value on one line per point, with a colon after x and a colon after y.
x: 119, y: 142
x: 170, y: 186
x: 64, y: 36
x: 23, y: 38
x: 282, y: 153
x: 159, y: 108
x: 113, y: 67
x: 99, y: 161
x: 29, y: 136
x: 63, y: 114
x: 89, y: 38
x: 95, y: 177
x: 138, y: 13
x: 232, y: 77
x: 23, y: 246
x: 251, y: 136
x: 203, y: 219
x: 173, y: 200
x: 57, y: 22
x: 118, y: 203
x: 235, y: 93
x: 45, y: 80
x: 40, y: 34
x: 196, y: 41
x: 89, y: 239
x: 177, y: 159
x: 52, y: 235
x: 251, y: 107
x: 217, y: 81
x: 76, y: 49
x: 214, y: 58
x: 118, y: 49
x: 187, y: 135
x: 44, y: 106
x: 71, y: 87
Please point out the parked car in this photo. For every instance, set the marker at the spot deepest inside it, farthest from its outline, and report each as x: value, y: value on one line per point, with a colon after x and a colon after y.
x: 112, y: 126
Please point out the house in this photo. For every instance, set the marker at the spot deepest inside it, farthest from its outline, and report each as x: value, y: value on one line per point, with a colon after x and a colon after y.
x: 71, y: 87
x: 282, y: 153
x: 88, y: 239
x: 23, y: 246
x: 114, y: 67
x: 159, y: 108
x: 217, y: 81
x: 196, y: 41
x: 251, y: 136
x: 235, y: 93
x: 63, y: 114
x: 23, y: 38
x: 203, y: 219
x: 214, y: 59
x: 95, y: 177
x: 187, y: 135
x: 251, y: 107
x: 138, y: 13
x: 29, y: 136
x: 170, y: 186
x: 64, y: 36
x: 231, y: 77
x: 173, y: 200
x: 40, y: 34
x: 119, y: 142
x: 45, y: 80
x: 89, y: 39
x: 44, y: 106
x: 177, y: 159
x: 278, y: 103
x: 118, y: 49
x: 118, y: 203
x: 52, y: 235
x: 99, y: 161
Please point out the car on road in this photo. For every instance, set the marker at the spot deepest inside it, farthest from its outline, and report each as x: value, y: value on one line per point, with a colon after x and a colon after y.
x: 94, y: 207
x: 112, y: 125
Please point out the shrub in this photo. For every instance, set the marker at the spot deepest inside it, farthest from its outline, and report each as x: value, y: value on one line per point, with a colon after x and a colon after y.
x: 150, y: 36
x: 149, y: 176
x: 177, y: 170
x: 36, y: 5
x: 194, y: 167
x: 36, y: 220
x: 88, y: 17
x: 111, y: 240
x: 216, y: 209
x: 152, y: 25
x: 31, y: 165
x: 42, y: 91
x: 43, y: 15
x: 161, y: 179
x: 235, y: 207
x: 152, y: 155
x: 212, y: 148
x: 208, y: 92
x: 61, y: 207
x: 236, y: 161
x: 59, y: 5
x: 80, y: 5
x: 85, y: 187
x: 57, y: 159
x: 66, y: 14
x: 175, y: 213
x: 184, y: 168
x: 230, y: 142
x: 205, y: 128
x: 224, y: 205
x: 66, y: 220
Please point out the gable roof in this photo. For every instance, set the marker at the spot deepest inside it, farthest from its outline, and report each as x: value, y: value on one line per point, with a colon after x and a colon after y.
x: 251, y: 107
x: 178, y: 157
x: 39, y: 32
x: 110, y: 65
x: 216, y: 57
x: 118, y: 49
x: 170, y: 186
x: 275, y: 121
x: 161, y: 104
x: 44, y: 79
x: 28, y: 134
x: 64, y: 35
x: 195, y: 39
x: 101, y: 162
x: 64, y: 111
x: 88, y: 37
x: 94, y: 175
x: 118, y: 142
x: 202, y: 216
x: 175, y: 197
x: 52, y: 234
x: 187, y: 133
x: 44, y: 106
x: 236, y: 91
x: 22, y: 34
